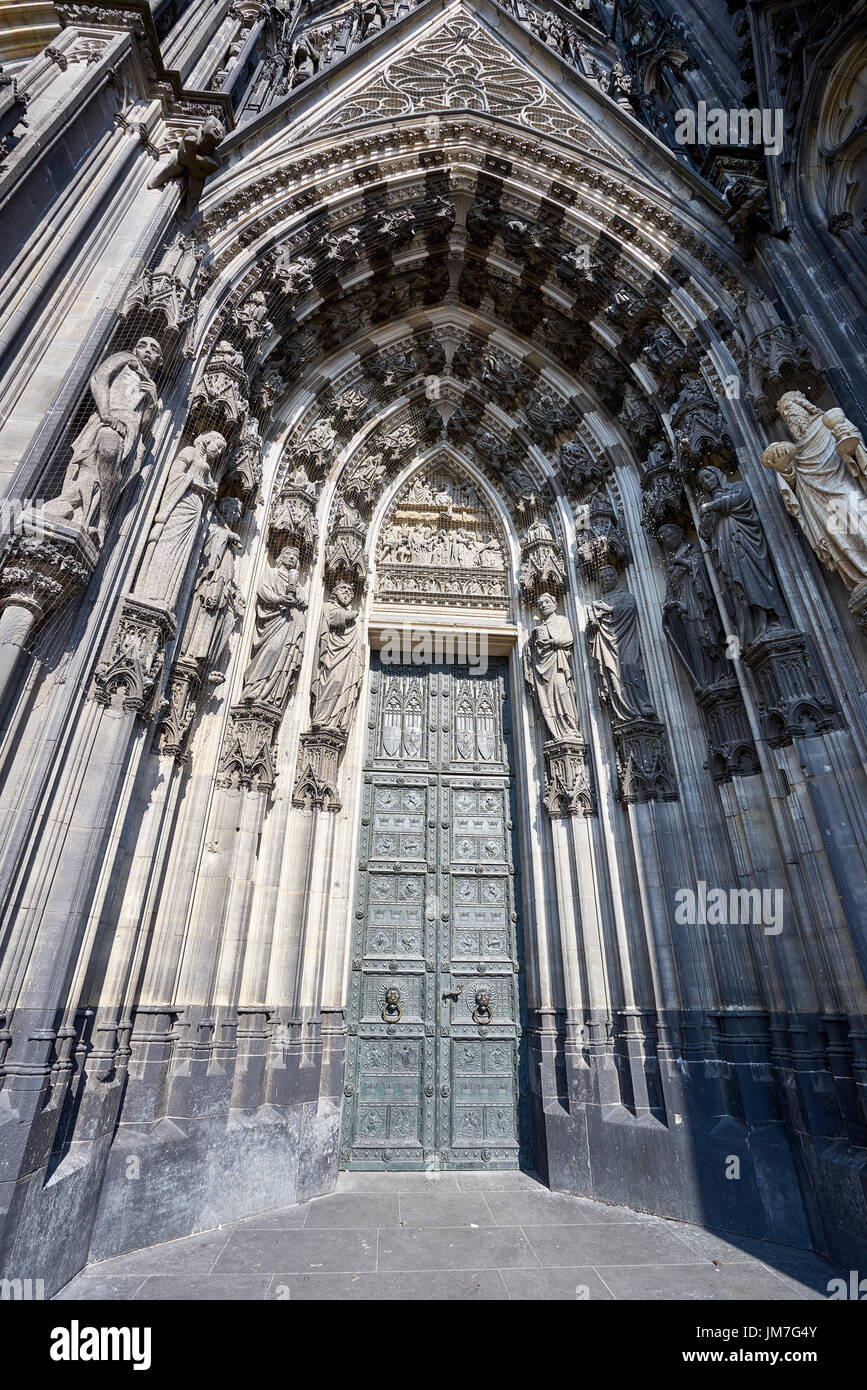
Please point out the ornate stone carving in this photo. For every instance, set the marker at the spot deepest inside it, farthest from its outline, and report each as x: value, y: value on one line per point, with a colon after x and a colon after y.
x: 340, y: 667
x: 643, y: 768
x: 793, y: 697
x: 317, y: 772
x: 314, y: 452
x: 344, y: 549
x: 349, y: 409
x: 663, y: 495
x: 600, y: 539
x: 294, y: 275
x: 220, y: 395
x: 293, y: 514
x: 278, y: 641
x: 439, y: 544
x: 823, y: 480
x: 247, y: 759
x: 191, y: 163
x: 699, y: 429
x: 568, y: 781
x: 250, y: 319
x: 130, y: 672
x: 543, y: 570
x: 110, y: 445
x: 167, y: 289
x: 691, y: 620
x: 773, y: 352
x: 190, y: 487
x: 244, y: 470
x: 579, y: 470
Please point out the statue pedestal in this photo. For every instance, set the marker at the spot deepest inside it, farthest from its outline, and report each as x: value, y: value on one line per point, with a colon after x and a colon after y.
x: 568, y: 785
x: 793, y: 698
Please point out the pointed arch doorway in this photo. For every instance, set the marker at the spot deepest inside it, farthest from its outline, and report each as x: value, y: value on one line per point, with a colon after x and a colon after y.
x: 435, y: 1072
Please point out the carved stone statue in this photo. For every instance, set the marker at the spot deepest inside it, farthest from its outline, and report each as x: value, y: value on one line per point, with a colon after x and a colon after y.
x: 125, y: 397
x: 612, y: 635
x: 192, y: 162
x: 823, y: 480
x: 217, y: 600
x: 730, y: 524
x: 191, y: 486
x: 691, y: 618
x: 548, y: 671
x: 278, y: 643
x: 340, y: 668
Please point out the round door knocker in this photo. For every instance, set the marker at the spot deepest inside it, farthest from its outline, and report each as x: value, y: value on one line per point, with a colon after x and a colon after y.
x: 483, y: 1013
x: 391, y: 1010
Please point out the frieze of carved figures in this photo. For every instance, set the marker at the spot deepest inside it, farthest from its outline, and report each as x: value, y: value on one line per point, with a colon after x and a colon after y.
x: 107, y: 454
x: 194, y: 159
x: 314, y: 451
x: 822, y: 476
x: 294, y: 274
x: 549, y: 416
x: 190, y: 487
x: 340, y: 250
x: 220, y: 394
x: 501, y: 378
x: 392, y: 371
x: 278, y: 641
x: 395, y: 227
x: 349, y: 409
x: 167, y: 289
x: 364, y: 483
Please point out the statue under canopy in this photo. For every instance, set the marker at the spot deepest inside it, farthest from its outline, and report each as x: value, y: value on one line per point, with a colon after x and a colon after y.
x: 612, y: 635
x: 191, y: 486
x: 340, y: 666
x: 730, y: 524
x: 278, y: 641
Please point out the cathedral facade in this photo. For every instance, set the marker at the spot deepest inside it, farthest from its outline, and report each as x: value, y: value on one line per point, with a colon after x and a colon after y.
x: 433, y: 609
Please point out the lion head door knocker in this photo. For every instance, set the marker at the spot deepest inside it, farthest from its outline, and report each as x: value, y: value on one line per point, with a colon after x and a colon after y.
x: 483, y: 1013
x: 391, y: 1010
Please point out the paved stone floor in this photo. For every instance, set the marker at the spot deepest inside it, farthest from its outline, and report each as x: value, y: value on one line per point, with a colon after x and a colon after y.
x: 456, y: 1236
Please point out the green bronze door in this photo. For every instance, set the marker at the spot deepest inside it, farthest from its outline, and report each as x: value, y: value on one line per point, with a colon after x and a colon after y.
x: 434, y: 1071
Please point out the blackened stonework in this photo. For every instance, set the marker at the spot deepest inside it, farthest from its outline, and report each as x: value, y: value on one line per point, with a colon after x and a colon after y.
x: 432, y: 612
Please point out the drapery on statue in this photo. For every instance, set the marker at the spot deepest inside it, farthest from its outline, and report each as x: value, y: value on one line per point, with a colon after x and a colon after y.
x: 612, y: 635
x: 125, y: 396
x: 690, y: 617
x: 191, y: 487
x: 278, y: 643
x: 730, y: 524
x: 548, y: 671
x: 823, y: 480
x: 192, y: 162
x: 340, y: 667
x: 217, y: 600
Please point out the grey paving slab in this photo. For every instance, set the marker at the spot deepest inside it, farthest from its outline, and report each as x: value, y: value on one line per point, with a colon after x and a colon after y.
x: 639, y: 1242
x: 353, y: 1210
x: 433, y: 1182
x: 198, y: 1288
x: 446, y: 1209
x: 484, y: 1285
x: 193, y: 1255
x: 286, y: 1219
x: 807, y: 1272
x: 293, y: 1252
x: 426, y: 1248
x: 368, y: 1182
x: 569, y: 1285
x: 96, y: 1287
x: 498, y: 1182
x: 539, y: 1208
x: 743, y: 1282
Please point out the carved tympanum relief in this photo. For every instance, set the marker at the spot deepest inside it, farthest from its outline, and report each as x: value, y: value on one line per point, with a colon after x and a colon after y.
x: 440, y: 544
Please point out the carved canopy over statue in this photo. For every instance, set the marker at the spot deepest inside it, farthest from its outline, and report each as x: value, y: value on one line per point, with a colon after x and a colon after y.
x: 823, y: 480
x: 548, y: 671
x: 125, y: 395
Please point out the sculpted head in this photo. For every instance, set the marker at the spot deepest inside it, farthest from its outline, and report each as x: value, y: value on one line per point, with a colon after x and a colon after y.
x: 211, y: 132
x: 710, y: 480
x: 149, y: 353
x: 213, y: 444
x: 608, y: 578
x: 289, y: 557
x: 546, y: 604
x: 344, y: 594
x: 670, y: 536
x: 798, y: 412
x: 230, y: 510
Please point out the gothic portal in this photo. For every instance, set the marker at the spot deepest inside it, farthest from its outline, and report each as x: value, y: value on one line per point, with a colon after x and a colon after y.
x: 433, y: 609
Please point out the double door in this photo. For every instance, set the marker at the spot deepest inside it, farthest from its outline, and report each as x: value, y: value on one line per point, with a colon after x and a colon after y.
x: 434, y: 1074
